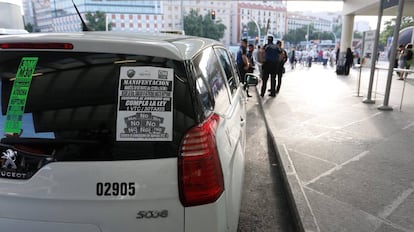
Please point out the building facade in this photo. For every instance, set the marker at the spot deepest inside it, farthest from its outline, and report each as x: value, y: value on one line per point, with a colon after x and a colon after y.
x: 174, y: 11
x: 271, y: 16
x: 154, y: 16
x: 61, y: 16
x: 296, y: 21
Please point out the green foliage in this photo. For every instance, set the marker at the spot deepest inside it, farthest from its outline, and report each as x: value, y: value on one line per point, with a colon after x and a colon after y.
x: 295, y: 36
x: 96, y: 21
x: 337, y: 30
x: 203, y: 26
x: 358, y: 35
x: 29, y: 27
x: 252, y: 29
x: 388, y: 31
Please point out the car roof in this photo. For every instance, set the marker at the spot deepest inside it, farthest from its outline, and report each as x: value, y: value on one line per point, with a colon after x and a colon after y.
x: 172, y: 46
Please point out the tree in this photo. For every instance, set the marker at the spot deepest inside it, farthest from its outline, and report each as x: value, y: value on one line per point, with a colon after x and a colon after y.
x: 357, y: 35
x: 337, y: 30
x: 252, y: 29
x: 96, y: 21
x: 203, y: 26
x: 29, y: 27
x: 295, y: 36
x: 388, y: 31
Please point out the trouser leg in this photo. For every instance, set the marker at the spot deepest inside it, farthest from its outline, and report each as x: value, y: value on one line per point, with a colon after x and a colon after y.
x: 279, y: 82
x: 272, y: 83
x: 265, y: 77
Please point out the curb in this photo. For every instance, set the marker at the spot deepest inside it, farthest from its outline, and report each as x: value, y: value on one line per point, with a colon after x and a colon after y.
x: 301, y: 210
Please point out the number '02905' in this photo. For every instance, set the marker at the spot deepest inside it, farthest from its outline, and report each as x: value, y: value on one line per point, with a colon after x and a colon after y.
x: 115, y: 189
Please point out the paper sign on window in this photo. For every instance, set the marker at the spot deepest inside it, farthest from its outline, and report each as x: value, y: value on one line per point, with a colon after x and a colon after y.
x: 145, y: 104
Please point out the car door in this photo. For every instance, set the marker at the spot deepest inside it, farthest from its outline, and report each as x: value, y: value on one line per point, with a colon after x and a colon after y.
x: 235, y: 123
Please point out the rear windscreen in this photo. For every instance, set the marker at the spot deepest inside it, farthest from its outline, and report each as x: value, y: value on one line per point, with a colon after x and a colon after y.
x: 94, y: 106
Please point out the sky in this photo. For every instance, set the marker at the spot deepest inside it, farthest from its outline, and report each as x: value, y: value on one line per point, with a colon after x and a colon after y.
x: 315, y: 6
x: 327, y: 6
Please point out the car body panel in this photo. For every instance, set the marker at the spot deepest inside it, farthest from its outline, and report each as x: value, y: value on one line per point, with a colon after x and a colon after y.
x: 64, y: 192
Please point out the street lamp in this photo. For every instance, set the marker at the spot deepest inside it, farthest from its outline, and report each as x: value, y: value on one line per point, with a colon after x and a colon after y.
x: 251, y: 19
x: 307, y: 38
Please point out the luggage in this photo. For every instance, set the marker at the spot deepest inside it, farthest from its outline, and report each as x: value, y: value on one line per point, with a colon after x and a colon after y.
x: 341, y: 67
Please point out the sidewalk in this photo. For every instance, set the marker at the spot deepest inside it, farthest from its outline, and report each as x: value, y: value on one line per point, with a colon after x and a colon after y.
x: 347, y: 165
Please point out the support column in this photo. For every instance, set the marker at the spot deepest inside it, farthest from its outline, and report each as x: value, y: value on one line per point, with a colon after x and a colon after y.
x: 346, y: 41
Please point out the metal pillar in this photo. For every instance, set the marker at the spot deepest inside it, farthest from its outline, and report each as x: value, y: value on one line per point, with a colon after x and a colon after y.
x: 374, y: 55
x: 385, y: 106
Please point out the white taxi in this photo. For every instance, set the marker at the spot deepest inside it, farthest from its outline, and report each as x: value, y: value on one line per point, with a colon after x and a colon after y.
x: 119, y: 132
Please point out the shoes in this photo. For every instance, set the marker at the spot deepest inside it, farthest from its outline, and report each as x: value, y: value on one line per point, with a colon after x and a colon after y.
x: 272, y: 95
x: 400, y: 79
x: 248, y: 95
x: 262, y: 95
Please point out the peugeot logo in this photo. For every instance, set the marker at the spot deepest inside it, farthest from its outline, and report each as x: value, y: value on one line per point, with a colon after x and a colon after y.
x: 9, y: 157
x: 130, y: 73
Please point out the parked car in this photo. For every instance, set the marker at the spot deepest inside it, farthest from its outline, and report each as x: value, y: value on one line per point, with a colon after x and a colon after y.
x: 107, y: 131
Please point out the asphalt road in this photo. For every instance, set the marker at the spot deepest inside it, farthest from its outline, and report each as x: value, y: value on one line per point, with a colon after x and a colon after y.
x: 264, y: 203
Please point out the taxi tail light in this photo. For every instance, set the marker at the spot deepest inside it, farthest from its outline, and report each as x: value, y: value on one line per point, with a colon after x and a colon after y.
x: 62, y: 46
x: 200, y: 175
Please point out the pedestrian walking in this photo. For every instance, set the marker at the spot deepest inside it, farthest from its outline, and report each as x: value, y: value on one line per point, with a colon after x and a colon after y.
x: 325, y: 57
x: 349, y: 60
x: 333, y: 57
x: 399, y: 58
x: 282, y: 60
x: 292, y: 58
x: 311, y: 55
x: 408, y: 60
x: 257, y: 58
x: 250, y: 52
x: 271, y: 66
x: 243, y: 64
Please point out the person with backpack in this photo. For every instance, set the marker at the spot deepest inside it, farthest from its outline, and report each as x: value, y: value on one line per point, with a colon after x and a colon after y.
x: 408, y: 60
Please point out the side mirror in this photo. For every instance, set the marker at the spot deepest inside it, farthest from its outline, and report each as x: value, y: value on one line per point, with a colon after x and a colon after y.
x: 252, y: 79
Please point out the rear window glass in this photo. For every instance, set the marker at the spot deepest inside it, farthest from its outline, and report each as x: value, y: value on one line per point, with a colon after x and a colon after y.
x: 72, y: 106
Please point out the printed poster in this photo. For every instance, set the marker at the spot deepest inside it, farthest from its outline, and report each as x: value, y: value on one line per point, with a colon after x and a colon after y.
x: 368, y: 47
x: 145, y: 104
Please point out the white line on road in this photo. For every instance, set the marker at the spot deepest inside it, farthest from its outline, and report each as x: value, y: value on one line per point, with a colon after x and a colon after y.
x: 338, y: 167
x: 389, y: 209
x: 408, y: 126
x: 301, y: 189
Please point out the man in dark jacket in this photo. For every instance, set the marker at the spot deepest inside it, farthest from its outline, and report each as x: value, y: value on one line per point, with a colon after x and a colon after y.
x: 243, y: 64
x: 271, y: 66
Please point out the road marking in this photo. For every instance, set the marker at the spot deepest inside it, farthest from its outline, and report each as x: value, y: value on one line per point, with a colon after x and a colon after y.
x: 317, y: 158
x: 408, y: 126
x: 389, y: 209
x: 337, y: 168
x: 354, y: 208
x: 301, y: 189
x: 361, y: 120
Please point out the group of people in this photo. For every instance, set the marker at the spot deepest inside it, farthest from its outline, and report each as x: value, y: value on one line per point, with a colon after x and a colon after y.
x: 404, y: 59
x: 270, y: 60
x: 306, y: 57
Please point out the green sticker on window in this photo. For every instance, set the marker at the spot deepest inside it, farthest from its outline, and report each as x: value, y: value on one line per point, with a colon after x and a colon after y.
x: 18, y: 96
